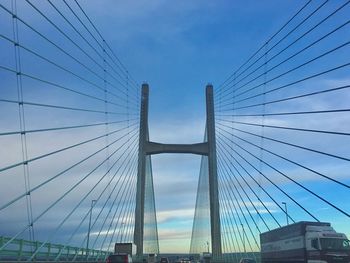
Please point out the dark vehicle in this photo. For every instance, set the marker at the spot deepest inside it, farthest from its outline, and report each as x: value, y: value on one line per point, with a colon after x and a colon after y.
x: 247, y: 260
x: 119, y: 258
x: 152, y: 258
x: 205, y: 257
x: 164, y: 260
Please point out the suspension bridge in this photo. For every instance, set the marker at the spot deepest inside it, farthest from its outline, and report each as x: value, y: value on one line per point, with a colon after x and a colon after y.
x: 76, y: 155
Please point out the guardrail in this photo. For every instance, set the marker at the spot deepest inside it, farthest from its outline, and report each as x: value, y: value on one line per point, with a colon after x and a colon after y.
x: 20, y: 250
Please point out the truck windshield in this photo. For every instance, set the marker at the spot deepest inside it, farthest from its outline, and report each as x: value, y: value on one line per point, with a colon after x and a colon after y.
x: 335, y: 243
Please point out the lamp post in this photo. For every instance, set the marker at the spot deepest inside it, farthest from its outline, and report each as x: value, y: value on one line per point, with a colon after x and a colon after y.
x: 243, y: 239
x: 286, y: 211
x: 207, y: 243
x: 88, y: 236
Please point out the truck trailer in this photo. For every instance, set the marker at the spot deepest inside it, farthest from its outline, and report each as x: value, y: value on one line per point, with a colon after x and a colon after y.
x: 307, y: 242
x: 125, y: 248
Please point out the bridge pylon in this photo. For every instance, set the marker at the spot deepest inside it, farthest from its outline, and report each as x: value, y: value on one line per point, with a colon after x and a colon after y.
x: 208, y: 148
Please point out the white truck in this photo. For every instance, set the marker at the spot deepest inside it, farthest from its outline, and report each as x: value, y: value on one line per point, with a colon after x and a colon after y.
x: 307, y: 242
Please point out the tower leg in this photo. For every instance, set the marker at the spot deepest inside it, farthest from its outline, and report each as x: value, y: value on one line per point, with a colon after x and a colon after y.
x: 213, y: 177
x: 141, y: 173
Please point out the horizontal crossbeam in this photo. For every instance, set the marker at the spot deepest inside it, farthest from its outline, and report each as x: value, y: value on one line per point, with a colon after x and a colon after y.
x: 157, y: 148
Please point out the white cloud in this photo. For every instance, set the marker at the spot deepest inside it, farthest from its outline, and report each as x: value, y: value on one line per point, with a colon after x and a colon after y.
x: 171, y: 234
x: 174, y: 215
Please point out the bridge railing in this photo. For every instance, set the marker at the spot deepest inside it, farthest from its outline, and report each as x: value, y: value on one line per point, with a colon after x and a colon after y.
x: 21, y: 249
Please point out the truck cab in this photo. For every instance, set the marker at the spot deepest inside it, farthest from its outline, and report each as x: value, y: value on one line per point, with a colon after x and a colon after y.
x: 324, y: 244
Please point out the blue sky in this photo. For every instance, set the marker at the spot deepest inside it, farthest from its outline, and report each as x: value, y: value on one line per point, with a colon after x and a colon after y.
x: 184, y: 46
x: 173, y: 45
x: 177, y: 47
